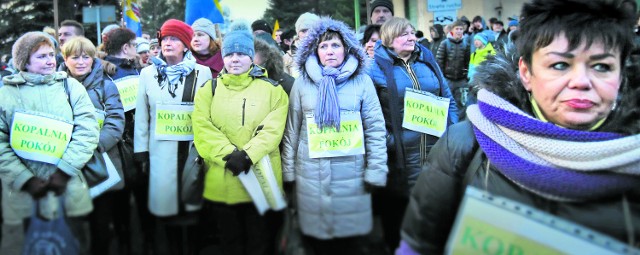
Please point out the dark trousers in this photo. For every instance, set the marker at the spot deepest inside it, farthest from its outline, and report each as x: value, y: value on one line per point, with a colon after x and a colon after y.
x: 335, y: 246
x: 110, y: 208
x: 242, y: 230
x: 390, y: 207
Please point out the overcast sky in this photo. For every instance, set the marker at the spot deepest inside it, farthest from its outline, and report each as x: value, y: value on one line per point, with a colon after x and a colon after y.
x: 246, y: 9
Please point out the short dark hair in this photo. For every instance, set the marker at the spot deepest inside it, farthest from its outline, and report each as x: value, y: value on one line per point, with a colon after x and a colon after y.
x: 289, y: 34
x: 72, y: 23
x: 604, y: 21
x: 369, y: 31
x: 458, y: 23
x: 116, y: 38
x: 499, y: 22
x: 419, y: 34
x: 476, y: 19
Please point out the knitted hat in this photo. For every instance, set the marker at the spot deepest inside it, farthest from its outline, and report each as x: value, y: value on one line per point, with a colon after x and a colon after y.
x: 204, y: 25
x: 23, y: 47
x: 108, y: 28
x: 513, y: 23
x: 261, y: 25
x: 142, y: 45
x: 238, y: 40
x: 306, y: 21
x: 179, y: 29
x: 154, y: 42
x: 383, y: 3
x: 482, y: 37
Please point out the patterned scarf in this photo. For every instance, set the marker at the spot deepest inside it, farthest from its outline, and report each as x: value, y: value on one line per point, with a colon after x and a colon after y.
x: 173, y: 73
x: 554, y: 162
x: 327, y: 112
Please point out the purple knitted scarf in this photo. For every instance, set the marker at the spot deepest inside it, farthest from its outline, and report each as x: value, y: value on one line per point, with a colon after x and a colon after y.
x: 511, y: 140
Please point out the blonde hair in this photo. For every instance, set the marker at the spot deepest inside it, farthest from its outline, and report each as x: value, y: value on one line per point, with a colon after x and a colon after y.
x: 392, y: 29
x: 78, y: 45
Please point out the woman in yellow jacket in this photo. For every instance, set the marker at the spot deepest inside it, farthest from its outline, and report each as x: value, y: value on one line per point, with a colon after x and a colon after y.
x: 235, y: 125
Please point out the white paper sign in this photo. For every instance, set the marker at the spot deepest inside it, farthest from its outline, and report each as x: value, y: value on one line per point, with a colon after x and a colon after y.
x: 260, y: 182
x: 114, y: 178
x: 488, y: 224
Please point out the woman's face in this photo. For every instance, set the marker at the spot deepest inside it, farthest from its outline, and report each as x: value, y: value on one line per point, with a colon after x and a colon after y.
x: 172, y: 47
x: 237, y: 63
x: 574, y: 89
x: 43, y: 61
x: 200, y: 43
x: 154, y: 50
x: 405, y: 43
x: 369, y: 45
x: 331, y: 52
x: 79, y: 65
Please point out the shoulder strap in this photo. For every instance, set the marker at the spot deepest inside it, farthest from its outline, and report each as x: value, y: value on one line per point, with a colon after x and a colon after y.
x: 190, y: 86
x: 66, y: 89
x: 214, y: 84
x: 474, y: 166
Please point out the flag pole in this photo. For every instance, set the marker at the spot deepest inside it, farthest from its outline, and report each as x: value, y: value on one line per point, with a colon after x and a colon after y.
x: 356, y: 9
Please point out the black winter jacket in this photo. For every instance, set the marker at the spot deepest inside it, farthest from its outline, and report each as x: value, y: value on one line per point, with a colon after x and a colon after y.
x: 453, y: 58
x: 438, y: 192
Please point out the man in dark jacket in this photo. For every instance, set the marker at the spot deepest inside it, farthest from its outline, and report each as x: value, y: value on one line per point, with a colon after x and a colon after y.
x: 453, y: 58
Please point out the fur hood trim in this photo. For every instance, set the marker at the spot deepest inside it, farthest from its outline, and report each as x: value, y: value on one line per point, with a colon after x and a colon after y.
x: 309, y: 45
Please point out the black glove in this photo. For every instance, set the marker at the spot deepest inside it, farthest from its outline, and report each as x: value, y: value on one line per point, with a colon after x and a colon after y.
x: 237, y: 162
x: 36, y: 187
x: 58, y: 182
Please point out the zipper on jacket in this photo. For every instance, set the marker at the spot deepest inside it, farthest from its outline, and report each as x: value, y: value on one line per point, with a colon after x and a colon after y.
x: 244, y: 102
x: 412, y: 75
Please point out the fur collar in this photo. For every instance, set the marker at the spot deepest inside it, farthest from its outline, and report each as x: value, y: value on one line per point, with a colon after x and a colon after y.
x: 309, y: 45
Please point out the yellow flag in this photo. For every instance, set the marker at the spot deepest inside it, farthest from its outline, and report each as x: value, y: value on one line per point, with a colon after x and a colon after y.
x: 275, y: 29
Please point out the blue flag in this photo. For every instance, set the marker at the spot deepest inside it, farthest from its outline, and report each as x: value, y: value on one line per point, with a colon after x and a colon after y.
x: 209, y: 9
x: 132, y: 16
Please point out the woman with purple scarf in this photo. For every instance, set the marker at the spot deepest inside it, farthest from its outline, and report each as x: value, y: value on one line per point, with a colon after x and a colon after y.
x: 555, y: 129
x: 334, y: 141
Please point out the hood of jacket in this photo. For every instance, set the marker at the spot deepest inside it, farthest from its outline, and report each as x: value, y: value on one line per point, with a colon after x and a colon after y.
x: 309, y: 45
x: 499, y: 74
x: 32, y: 79
x: 242, y: 81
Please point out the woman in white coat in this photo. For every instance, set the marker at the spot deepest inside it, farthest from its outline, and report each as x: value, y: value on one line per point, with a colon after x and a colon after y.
x: 163, y: 132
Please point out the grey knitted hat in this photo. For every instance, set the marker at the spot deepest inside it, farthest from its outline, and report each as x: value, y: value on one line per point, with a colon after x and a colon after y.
x: 23, y: 47
x: 206, y: 26
x: 306, y: 21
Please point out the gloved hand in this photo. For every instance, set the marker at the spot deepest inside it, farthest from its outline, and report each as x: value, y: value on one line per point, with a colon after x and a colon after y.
x: 36, y: 187
x: 58, y: 182
x: 237, y: 162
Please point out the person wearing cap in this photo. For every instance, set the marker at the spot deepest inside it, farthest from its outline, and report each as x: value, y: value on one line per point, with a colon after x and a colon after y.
x: 39, y: 98
x: 154, y: 48
x: 236, y: 125
x: 142, y: 49
x: 122, y: 53
x: 306, y: 21
x: 205, y: 47
x: 333, y: 183
x: 167, y: 88
x: 82, y: 64
x: 513, y: 25
x: 381, y: 11
x: 483, y: 49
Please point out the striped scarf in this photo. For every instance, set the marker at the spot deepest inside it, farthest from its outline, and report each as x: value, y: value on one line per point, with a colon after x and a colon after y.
x: 551, y: 161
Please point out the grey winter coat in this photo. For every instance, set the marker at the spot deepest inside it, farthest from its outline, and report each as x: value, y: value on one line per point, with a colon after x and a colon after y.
x: 28, y: 91
x: 105, y: 97
x: 331, y: 195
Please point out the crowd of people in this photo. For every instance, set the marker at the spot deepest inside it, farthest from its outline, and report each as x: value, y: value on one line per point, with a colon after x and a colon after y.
x: 350, y: 126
